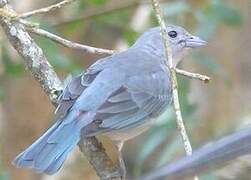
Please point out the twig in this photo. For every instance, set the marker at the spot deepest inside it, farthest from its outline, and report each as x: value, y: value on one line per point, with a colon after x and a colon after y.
x: 33, y: 56
x: 97, y: 154
x: 34, y: 28
x: 191, y: 75
x: 106, y: 9
x: 95, y: 50
x: 46, y: 9
x: 3, y: 3
x: 210, y: 157
x: 94, y: 12
x: 68, y: 43
x: 43, y: 72
x: 180, y: 124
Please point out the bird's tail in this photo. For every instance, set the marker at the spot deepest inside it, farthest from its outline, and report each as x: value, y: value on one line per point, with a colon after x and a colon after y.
x: 48, y: 153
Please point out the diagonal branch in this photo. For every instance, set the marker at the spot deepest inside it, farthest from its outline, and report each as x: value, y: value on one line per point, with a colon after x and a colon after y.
x: 43, y: 72
x: 90, y: 49
x: 93, y: 12
x: 68, y: 43
x: 191, y: 75
x: 34, y: 28
x: 171, y: 66
x: 46, y: 9
x: 34, y: 57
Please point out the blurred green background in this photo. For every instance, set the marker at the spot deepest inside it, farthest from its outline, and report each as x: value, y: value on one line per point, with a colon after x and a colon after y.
x: 209, y: 110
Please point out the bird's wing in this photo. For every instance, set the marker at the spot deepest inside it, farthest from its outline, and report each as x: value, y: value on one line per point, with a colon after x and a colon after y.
x: 77, y: 85
x: 141, y: 97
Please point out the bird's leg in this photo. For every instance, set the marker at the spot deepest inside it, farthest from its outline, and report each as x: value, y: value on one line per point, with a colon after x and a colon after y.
x: 121, y: 163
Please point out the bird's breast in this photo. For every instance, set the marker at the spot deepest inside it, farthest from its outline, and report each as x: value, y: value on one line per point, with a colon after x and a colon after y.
x: 129, y: 133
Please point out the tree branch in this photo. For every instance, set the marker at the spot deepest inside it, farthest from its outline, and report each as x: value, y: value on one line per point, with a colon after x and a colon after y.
x: 95, y: 154
x: 68, y: 43
x: 95, y: 50
x: 191, y: 75
x: 33, y: 56
x: 46, y: 9
x: 34, y: 28
x: 171, y: 66
x: 3, y: 3
x: 43, y: 72
x: 95, y: 12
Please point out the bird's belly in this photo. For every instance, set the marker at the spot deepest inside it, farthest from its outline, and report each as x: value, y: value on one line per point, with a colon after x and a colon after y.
x: 126, y: 134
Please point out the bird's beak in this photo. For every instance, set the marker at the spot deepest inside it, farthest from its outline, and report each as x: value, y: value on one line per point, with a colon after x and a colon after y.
x: 194, y: 42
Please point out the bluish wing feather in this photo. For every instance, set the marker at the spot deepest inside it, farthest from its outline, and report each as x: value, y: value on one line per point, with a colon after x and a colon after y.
x: 137, y: 118
x: 73, y: 90
x: 118, y: 118
x: 141, y: 98
x: 78, y: 84
x: 118, y: 107
x: 120, y: 97
x: 151, y: 92
x: 68, y: 97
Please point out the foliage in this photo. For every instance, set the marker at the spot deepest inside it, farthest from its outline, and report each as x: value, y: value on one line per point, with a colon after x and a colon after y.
x: 208, y: 17
x: 3, y: 175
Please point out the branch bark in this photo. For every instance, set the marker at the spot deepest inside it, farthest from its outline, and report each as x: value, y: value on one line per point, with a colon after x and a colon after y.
x: 191, y: 75
x: 46, y: 9
x: 95, y: 12
x: 16, y: 30
x: 171, y: 66
x: 43, y: 72
x: 34, y: 57
x: 68, y: 43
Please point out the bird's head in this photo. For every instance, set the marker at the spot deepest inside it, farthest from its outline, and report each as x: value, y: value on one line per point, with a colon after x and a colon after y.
x: 180, y: 41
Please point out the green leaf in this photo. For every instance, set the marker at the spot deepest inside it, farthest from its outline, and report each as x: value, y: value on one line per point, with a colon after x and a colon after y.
x: 53, y: 53
x: 164, y: 126
x: 207, y: 25
x: 116, y: 19
x: 130, y: 36
x: 4, y: 176
x: 74, y: 27
x: 169, y: 150
x: 207, y: 61
x: 98, y: 2
x: 155, y: 139
x: 12, y: 68
x: 224, y: 13
x: 1, y: 92
x: 175, y: 8
x: 209, y: 176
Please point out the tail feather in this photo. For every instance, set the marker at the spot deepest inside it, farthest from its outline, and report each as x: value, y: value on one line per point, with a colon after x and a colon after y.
x: 49, y: 152
x: 25, y: 159
x: 61, y: 134
x: 58, y: 162
x: 52, y: 151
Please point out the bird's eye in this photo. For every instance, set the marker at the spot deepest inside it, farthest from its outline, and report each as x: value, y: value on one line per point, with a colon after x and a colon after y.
x: 172, y: 34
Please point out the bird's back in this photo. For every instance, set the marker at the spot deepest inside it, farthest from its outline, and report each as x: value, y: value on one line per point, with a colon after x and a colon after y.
x: 130, y: 89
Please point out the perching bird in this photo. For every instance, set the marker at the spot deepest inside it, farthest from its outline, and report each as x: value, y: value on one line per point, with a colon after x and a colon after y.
x: 119, y: 96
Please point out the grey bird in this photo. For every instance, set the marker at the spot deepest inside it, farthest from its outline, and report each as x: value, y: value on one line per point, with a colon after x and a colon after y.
x: 119, y: 96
